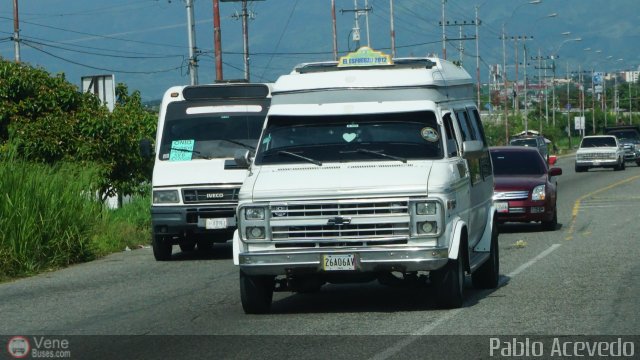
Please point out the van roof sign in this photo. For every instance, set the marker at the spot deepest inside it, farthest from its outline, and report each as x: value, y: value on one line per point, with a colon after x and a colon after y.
x: 365, y: 56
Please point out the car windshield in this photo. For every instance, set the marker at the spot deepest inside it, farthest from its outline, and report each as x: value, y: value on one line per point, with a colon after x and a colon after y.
x: 517, y: 163
x: 344, y: 138
x: 625, y: 134
x: 524, y: 142
x: 209, y: 137
x: 598, y: 142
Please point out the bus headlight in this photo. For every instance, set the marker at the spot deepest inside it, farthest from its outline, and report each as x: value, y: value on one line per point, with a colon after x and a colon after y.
x: 165, y: 197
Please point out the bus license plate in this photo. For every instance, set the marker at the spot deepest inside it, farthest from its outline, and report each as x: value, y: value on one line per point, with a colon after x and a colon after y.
x: 502, y: 207
x: 216, y: 224
x: 338, y: 262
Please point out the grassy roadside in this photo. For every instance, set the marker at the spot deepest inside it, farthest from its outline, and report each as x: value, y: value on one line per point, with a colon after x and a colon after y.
x: 49, y: 219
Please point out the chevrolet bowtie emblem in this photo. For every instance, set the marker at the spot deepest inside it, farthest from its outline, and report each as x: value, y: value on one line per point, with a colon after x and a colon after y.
x: 339, y: 221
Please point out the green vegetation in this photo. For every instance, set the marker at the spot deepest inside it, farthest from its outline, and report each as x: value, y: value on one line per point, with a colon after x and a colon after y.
x: 50, y: 217
x: 61, y: 154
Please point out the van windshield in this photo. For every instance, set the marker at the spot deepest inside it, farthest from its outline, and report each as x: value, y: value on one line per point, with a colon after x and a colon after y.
x: 212, y: 136
x: 345, y: 138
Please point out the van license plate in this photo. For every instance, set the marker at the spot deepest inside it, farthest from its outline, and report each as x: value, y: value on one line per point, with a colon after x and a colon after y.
x: 216, y: 224
x: 502, y: 207
x: 338, y: 262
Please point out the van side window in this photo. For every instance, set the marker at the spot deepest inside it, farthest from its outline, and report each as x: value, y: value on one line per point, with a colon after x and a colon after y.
x: 465, y: 125
x: 486, y: 168
x: 477, y: 125
x: 452, y: 143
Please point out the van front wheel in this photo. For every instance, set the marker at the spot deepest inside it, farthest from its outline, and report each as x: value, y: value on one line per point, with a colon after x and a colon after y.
x: 449, y: 283
x: 256, y: 293
x: 162, y: 248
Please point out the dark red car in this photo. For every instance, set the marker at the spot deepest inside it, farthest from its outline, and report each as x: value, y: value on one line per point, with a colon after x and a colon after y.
x: 525, y: 187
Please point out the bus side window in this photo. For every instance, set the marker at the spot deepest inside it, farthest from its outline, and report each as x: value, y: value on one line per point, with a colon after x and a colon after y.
x: 452, y: 143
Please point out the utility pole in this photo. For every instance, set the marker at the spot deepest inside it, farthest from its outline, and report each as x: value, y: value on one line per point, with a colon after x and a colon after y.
x: 245, y: 15
x: 335, y: 31
x: 460, y: 37
x: 568, y: 107
x: 393, y: 31
x: 357, y: 13
x: 193, y: 60
x: 444, y: 34
x: 504, y: 80
x: 217, y: 39
x: 543, y: 80
x: 478, y: 60
x: 16, y: 31
x: 516, y: 107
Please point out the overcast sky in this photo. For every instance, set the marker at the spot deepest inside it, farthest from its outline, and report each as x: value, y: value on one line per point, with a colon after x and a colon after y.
x: 144, y: 42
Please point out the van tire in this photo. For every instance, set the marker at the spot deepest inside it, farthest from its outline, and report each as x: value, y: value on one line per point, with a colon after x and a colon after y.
x: 256, y: 293
x: 449, y: 283
x: 187, y: 246
x: 162, y: 248
x: 488, y: 274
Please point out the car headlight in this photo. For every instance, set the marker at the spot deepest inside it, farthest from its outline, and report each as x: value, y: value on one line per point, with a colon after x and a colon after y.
x: 165, y: 197
x: 254, y: 213
x: 426, y: 208
x: 538, y: 193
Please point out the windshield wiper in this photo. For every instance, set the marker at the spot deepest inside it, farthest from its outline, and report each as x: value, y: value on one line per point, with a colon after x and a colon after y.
x: 313, y: 161
x: 381, y: 154
x: 239, y: 143
x: 198, y: 153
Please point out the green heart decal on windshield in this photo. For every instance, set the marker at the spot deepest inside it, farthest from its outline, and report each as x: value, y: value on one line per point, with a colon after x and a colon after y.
x: 348, y: 137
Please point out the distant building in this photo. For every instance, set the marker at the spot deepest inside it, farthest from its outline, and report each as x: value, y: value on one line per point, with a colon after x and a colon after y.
x: 630, y: 76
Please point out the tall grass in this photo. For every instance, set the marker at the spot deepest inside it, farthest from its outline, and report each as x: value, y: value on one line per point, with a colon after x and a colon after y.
x: 50, y: 218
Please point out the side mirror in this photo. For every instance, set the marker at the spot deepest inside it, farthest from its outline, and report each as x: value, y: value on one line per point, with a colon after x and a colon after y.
x: 243, y: 159
x: 472, y: 147
x: 146, y: 150
x: 555, y: 171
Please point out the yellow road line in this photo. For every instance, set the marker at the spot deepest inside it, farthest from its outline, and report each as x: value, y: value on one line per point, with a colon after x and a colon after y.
x: 576, y: 205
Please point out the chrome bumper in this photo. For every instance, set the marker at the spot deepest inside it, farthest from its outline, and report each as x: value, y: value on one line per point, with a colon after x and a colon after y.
x: 366, y: 260
x: 597, y: 163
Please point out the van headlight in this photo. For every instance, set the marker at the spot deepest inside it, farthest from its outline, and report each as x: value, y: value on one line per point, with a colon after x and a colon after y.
x: 427, y: 218
x: 254, y: 213
x: 427, y: 227
x: 166, y: 197
x: 538, y: 193
x: 426, y: 208
x: 255, y: 233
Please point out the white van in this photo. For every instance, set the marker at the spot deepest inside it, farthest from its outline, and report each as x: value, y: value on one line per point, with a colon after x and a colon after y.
x: 368, y: 168
x: 195, y: 179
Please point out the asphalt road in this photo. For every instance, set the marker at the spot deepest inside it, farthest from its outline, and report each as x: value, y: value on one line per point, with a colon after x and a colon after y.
x: 581, y: 279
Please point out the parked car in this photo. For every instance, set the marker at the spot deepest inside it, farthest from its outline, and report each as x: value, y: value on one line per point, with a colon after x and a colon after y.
x: 599, y: 151
x: 629, y: 138
x: 525, y: 187
x: 535, y: 141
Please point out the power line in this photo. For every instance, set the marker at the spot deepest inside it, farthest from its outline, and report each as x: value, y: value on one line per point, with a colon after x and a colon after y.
x: 25, y: 40
x: 103, y: 69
